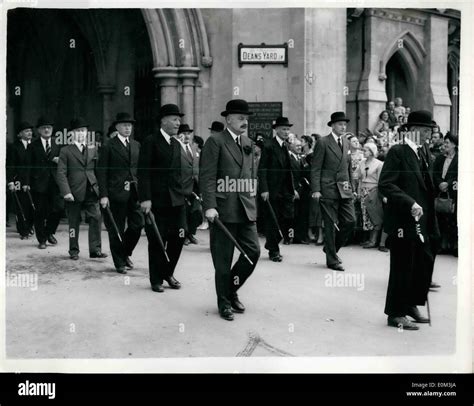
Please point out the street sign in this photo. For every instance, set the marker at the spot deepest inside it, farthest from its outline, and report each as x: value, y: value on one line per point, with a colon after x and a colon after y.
x: 263, y: 54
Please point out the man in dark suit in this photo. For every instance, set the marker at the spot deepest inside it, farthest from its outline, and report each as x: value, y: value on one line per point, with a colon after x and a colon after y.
x: 78, y: 186
x: 276, y: 186
x: 17, y: 167
x: 228, y: 186
x: 410, y: 222
x: 117, y: 177
x: 331, y: 184
x: 160, y: 190
x: 216, y: 127
x: 43, y: 156
x: 302, y: 194
x: 190, y: 173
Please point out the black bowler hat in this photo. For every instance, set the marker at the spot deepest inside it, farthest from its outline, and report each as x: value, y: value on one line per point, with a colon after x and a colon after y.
x: 282, y: 122
x: 217, y: 126
x: 23, y: 126
x: 170, y: 110
x: 184, y: 128
x: 44, y: 121
x: 237, y: 106
x: 338, y: 116
x: 420, y: 118
x: 123, y: 118
x: 78, y: 122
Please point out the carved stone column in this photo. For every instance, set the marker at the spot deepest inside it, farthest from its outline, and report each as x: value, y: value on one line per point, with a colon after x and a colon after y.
x: 106, y: 91
x: 168, y: 82
x: 188, y: 76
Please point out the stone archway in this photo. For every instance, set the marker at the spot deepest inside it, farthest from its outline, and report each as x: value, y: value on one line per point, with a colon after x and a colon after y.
x: 180, y: 48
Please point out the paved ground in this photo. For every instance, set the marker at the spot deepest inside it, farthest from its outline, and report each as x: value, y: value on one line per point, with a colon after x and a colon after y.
x: 84, y: 309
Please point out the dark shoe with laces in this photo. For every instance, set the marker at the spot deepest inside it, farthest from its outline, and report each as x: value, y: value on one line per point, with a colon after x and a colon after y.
x: 157, y: 287
x: 192, y: 239
x: 42, y: 245
x: 336, y: 267
x: 74, y: 257
x: 121, y: 269
x: 174, y: 284
x: 237, y: 305
x: 98, y: 254
x: 415, y: 314
x: 227, y: 314
x: 128, y: 263
x: 275, y: 257
x: 52, y: 240
x: 401, y: 322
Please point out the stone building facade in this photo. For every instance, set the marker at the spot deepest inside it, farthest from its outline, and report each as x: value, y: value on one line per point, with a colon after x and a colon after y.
x: 97, y: 62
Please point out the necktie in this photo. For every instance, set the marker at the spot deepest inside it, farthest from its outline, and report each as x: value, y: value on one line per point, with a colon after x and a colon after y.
x: 48, y: 148
x: 237, y: 141
x: 189, y: 153
x: 339, y: 142
x: 83, y: 149
x: 127, y: 144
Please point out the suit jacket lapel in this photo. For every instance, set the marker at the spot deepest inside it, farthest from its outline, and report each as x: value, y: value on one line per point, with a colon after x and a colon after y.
x: 120, y: 148
x: 412, y: 161
x: 75, y: 151
x: 279, y: 152
x: 334, y: 147
x: 233, y: 147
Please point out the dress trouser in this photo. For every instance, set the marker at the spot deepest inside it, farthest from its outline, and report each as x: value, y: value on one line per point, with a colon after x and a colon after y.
x: 128, y: 213
x: 171, y: 223
x: 283, y: 208
x: 342, y: 211
x: 91, y: 207
x: 23, y: 226
x: 230, y: 278
x: 48, y: 212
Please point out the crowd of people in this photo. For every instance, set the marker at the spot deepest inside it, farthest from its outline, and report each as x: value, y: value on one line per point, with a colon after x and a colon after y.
x: 310, y: 189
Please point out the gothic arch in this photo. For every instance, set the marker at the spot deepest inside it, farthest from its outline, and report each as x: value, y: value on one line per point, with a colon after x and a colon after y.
x: 410, y: 50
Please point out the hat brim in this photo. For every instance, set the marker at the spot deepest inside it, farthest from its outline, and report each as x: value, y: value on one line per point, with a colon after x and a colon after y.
x: 172, y: 114
x: 282, y: 125
x: 335, y: 121
x: 125, y: 121
x: 42, y: 125
x: 420, y: 124
x: 226, y: 113
x: 82, y: 126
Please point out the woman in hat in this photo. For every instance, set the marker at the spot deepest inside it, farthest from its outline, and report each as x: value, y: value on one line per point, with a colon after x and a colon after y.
x: 371, y: 203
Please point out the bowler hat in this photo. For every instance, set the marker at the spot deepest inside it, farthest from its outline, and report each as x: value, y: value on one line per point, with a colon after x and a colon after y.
x: 170, y: 110
x: 43, y: 121
x: 420, y: 118
x: 236, y: 106
x: 23, y: 126
x: 78, y: 122
x: 282, y: 122
x: 338, y: 116
x: 184, y: 128
x: 217, y: 126
x: 123, y: 118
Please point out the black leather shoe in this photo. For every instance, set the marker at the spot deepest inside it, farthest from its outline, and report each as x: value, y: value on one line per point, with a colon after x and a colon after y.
x: 370, y: 245
x: 42, y: 246
x: 174, y: 284
x: 121, y: 269
x: 401, y: 322
x: 98, y: 255
x: 128, y: 263
x: 157, y: 288
x: 52, y: 240
x: 336, y: 267
x: 276, y: 257
x: 414, y: 313
x: 337, y: 256
x: 23, y: 237
x: 434, y: 285
x: 192, y: 239
x: 383, y: 248
x: 304, y: 242
x: 237, y: 305
x: 32, y: 231
x: 227, y: 314
x: 74, y: 257
x: 287, y: 242
x: 186, y: 241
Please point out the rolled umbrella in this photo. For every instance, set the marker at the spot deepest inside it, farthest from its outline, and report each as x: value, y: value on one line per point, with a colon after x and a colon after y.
x: 151, y: 217
x: 31, y: 200
x: 225, y: 230
x: 18, y: 205
x: 327, y: 213
x: 274, y: 217
x: 112, y: 221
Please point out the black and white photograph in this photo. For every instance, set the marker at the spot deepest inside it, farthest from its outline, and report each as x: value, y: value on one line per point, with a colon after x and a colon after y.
x: 236, y: 188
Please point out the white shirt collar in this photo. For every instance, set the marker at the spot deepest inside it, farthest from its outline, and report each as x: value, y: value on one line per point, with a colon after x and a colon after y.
x: 122, y: 138
x: 234, y: 136
x: 79, y: 145
x: 43, y: 141
x: 279, y: 140
x: 25, y: 143
x: 167, y: 137
x: 294, y: 155
x: 336, y: 137
x: 185, y: 146
x: 412, y: 145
